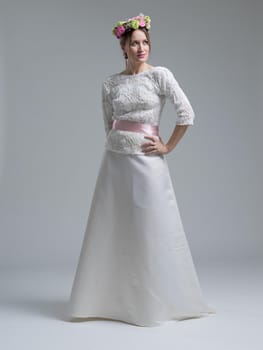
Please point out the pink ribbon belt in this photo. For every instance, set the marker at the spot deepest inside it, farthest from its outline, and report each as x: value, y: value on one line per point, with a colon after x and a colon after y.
x: 129, y: 125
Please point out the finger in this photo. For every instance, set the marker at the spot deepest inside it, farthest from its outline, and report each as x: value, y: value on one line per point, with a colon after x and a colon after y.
x: 152, y: 152
x: 148, y: 144
x: 149, y: 137
x: 148, y: 148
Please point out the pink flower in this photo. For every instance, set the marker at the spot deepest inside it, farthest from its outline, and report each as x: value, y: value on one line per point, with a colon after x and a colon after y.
x: 142, y: 23
x: 119, y: 31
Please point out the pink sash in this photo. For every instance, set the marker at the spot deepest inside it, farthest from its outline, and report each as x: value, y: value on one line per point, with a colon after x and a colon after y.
x: 129, y: 125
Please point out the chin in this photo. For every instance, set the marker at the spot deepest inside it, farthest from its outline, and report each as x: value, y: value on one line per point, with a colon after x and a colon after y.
x: 144, y: 59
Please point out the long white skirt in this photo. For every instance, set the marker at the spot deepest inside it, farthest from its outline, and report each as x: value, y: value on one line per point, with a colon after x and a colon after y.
x: 135, y: 264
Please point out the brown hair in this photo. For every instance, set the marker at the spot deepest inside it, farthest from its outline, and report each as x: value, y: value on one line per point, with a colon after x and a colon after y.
x: 127, y: 36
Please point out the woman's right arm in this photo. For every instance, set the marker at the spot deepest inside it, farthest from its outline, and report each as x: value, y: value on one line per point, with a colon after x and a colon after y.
x: 106, y: 107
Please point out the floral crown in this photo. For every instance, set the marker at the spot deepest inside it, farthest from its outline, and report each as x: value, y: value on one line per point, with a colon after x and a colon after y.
x: 136, y: 22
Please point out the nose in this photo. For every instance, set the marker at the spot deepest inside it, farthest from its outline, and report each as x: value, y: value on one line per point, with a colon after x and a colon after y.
x: 140, y: 47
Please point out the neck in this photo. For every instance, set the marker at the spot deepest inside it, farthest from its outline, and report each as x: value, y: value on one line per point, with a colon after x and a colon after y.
x: 135, y: 68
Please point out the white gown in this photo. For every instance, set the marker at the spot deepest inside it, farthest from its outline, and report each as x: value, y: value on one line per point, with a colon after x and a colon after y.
x: 135, y: 264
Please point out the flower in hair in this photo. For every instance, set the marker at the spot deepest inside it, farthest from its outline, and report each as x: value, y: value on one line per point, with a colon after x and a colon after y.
x: 120, y: 30
x: 147, y: 22
x: 136, y: 22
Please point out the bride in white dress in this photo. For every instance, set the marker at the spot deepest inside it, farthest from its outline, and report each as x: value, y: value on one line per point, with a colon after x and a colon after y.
x: 135, y: 264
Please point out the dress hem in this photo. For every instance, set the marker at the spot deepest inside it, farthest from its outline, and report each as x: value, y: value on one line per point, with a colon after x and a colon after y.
x: 76, y: 318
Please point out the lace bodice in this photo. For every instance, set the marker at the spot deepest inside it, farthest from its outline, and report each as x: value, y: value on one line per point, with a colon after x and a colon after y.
x: 141, y: 97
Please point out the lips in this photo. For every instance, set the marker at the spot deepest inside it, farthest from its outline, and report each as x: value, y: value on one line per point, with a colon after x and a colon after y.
x: 141, y: 55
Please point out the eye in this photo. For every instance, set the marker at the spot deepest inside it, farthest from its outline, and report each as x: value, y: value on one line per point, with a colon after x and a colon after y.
x: 145, y: 42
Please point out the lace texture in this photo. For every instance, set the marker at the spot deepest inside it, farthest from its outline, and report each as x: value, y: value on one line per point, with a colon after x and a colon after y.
x: 141, y: 97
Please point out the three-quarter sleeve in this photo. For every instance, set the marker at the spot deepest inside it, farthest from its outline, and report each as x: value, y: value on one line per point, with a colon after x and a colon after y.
x: 106, y: 107
x: 170, y: 88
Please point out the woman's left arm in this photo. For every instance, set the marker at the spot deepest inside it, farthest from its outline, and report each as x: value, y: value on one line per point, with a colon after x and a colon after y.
x: 159, y: 147
x: 185, y: 115
x: 176, y: 136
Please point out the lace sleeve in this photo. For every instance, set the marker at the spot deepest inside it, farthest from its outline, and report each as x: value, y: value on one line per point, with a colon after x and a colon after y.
x: 106, y: 107
x: 170, y: 88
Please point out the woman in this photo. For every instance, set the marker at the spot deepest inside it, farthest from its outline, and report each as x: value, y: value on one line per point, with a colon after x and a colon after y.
x: 135, y: 264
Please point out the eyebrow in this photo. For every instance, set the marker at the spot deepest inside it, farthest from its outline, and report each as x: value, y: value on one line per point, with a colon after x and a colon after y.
x: 138, y: 40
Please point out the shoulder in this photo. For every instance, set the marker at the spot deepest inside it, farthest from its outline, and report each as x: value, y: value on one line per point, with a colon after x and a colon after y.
x: 106, y: 80
x: 110, y: 80
x: 107, y: 83
x: 164, y: 78
x: 162, y: 71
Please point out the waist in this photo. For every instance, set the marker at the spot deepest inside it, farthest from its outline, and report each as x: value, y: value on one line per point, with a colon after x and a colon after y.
x: 128, y: 125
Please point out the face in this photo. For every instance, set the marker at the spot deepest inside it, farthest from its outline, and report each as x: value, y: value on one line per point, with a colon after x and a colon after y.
x: 138, y: 48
